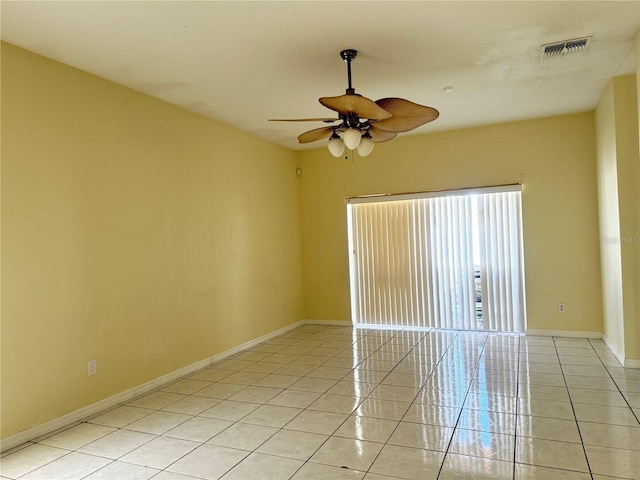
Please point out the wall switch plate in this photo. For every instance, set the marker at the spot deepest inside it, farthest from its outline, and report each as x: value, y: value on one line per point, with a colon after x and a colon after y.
x: 92, y: 367
x: 561, y: 308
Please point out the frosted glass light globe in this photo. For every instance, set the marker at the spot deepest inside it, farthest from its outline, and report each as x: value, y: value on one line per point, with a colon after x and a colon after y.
x: 365, y: 147
x: 352, y: 138
x: 336, y: 146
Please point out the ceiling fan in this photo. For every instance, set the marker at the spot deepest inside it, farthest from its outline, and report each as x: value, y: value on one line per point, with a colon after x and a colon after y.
x: 363, y: 122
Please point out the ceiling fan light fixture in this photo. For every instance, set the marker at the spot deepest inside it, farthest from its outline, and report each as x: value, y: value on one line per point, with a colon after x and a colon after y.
x: 366, y: 145
x: 352, y: 138
x: 336, y: 145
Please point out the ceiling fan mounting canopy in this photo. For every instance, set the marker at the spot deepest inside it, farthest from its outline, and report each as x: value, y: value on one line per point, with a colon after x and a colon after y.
x: 348, y: 55
x: 363, y: 121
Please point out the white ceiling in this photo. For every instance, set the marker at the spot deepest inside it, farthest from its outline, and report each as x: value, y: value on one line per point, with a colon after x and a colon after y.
x: 244, y: 62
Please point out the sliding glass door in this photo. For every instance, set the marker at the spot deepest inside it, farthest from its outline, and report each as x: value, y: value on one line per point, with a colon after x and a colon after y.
x: 444, y: 261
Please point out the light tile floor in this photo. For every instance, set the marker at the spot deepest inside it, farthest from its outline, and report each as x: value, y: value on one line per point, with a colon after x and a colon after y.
x: 326, y: 402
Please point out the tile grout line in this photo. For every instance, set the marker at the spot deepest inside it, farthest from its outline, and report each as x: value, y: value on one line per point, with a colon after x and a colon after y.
x: 616, y: 383
x: 386, y: 443
x: 75, y: 424
x: 255, y: 450
x: 575, y: 417
x: 517, y: 402
x: 377, y: 385
x: 455, y: 427
x: 305, y: 462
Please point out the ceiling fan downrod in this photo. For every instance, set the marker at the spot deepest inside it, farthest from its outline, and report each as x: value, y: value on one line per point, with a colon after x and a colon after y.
x: 348, y: 56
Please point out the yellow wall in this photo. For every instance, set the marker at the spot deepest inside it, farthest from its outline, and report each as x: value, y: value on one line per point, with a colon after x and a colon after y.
x: 554, y: 158
x: 619, y: 185
x: 610, y: 254
x: 133, y: 232
x: 628, y: 187
x: 637, y: 195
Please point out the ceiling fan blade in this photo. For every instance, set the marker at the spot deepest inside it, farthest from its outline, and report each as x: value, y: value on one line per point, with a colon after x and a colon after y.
x: 379, y: 136
x: 326, y: 120
x: 351, y: 103
x: 406, y: 115
x: 315, y: 134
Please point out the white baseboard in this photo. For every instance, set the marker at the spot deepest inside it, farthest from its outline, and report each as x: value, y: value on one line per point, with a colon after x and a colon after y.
x: 334, y: 323
x: 104, y: 404
x: 625, y: 362
x: 619, y: 356
x: 112, y: 401
x: 563, y: 333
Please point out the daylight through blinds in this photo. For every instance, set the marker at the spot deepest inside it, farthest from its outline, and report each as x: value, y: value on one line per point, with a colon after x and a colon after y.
x: 444, y: 261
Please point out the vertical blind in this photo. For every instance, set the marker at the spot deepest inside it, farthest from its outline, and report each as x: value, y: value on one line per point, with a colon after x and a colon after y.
x: 444, y: 261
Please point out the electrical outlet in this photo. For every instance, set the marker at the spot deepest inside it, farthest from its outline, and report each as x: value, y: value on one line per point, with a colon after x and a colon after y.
x: 561, y: 308
x: 92, y: 367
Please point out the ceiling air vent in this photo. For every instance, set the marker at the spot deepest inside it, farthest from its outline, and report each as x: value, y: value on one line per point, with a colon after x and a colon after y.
x: 564, y: 48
